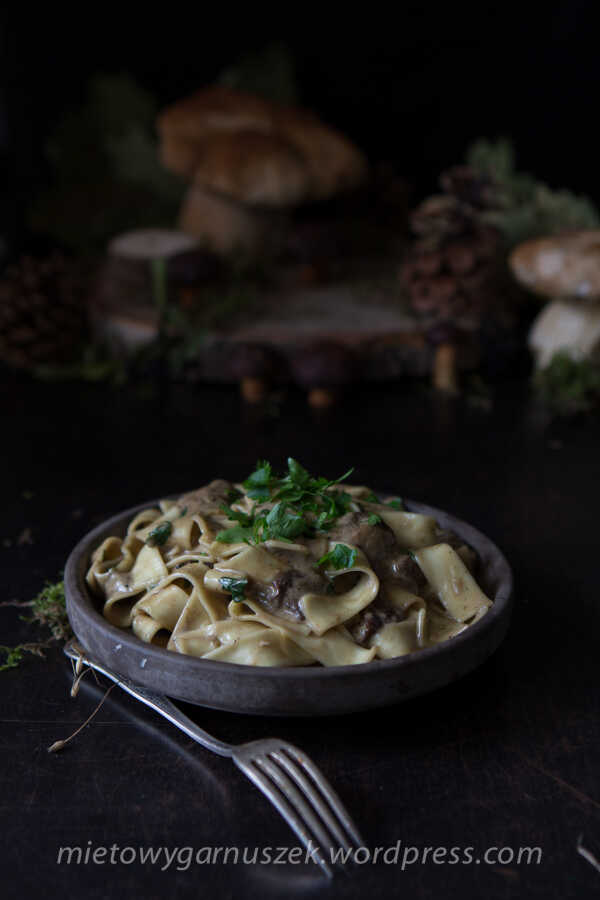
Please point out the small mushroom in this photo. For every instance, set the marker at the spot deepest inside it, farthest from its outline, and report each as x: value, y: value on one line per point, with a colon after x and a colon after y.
x: 564, y: 269
x: 322, y: 368
x: 249, y: 159
x: 253, y: 365
x: 443, y: 337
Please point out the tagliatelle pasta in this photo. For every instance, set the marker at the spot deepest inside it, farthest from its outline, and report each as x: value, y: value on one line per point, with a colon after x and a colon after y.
x: 287, y: 570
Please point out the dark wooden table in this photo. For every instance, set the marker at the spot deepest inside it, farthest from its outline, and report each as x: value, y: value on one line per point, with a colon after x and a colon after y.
x: 506, y: 758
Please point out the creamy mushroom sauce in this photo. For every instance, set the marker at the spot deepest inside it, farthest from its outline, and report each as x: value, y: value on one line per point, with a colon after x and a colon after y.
x: 287, y: 570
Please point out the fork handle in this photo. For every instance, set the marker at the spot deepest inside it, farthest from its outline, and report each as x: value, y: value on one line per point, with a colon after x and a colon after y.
x: 158, y: 702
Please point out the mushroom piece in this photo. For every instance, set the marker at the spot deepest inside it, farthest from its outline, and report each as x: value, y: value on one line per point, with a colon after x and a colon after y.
x: 253, y: 365
x: 249, y: 158
x: 564, y: 269
x: 122, y: 304
x: 443, y: 337
x: 240, y: 179
x: 322, y: 368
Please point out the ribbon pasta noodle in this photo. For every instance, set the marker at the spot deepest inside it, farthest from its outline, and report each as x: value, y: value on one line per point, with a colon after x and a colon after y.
x: 287, y: 571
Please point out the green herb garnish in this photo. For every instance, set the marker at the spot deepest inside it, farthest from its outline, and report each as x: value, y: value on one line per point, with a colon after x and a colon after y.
x: 341, y: 557
x: 235, y: 586
x: 374, y: 519
x: 236, y: 535
x: 396, y: 504
x: 159, y: 535
x: 372, y: 498
x: 282, y: 523
x: 257, y: 484
x: 237, y: 515
x: 303, y: 505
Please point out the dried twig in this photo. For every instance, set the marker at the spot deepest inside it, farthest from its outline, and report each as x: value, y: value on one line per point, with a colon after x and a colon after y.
x: 58, y: 745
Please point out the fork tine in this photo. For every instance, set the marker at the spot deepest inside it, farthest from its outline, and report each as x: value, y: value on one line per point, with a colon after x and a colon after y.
x: 295, y: 798
x: 313, y: 794
x: 285, y: 809
x: 327, y: 791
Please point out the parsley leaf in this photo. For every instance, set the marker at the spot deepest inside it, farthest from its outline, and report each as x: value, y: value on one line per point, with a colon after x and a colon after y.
x: 245, y: 519
x: 258, y: 483
x: 374, y: 519
x: 235, y: 586
x: 159, y: 535
x: 341, y: 557
x: 396, y: 504
x: 235, y: 535
x: 283, y: 523
x: 372, y: 498
x: 297, y: 473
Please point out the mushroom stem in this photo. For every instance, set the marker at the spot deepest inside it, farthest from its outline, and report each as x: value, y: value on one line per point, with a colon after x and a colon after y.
x: 444, y: 369
x: 321, y: 398
x: 219, y: 223
x: 253, y: 390
x: 567, y: 325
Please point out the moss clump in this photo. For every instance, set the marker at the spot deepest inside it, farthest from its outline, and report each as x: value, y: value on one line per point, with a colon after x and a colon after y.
x: 49, y: 611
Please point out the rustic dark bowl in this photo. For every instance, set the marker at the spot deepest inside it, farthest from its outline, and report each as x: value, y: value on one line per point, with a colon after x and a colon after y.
x: 297, y: 691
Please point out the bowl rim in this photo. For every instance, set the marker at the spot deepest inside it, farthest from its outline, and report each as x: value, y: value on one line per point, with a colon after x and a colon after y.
x: 78, y: 595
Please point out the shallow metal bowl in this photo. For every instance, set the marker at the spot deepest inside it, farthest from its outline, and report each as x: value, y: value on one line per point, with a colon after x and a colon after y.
x: 297, y: 691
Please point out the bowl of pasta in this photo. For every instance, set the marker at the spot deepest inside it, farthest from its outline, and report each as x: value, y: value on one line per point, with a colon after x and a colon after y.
x: 288, y: 594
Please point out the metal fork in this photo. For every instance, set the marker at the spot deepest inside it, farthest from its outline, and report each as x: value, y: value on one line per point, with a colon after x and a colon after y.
x: 282, y: 772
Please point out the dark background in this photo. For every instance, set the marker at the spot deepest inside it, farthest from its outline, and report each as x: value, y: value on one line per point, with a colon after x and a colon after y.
x: 504, y: 757
x: 414, y: 88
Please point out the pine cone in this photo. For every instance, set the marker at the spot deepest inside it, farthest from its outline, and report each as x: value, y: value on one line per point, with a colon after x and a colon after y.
x: 43, y: 317
x: 454, y: 272
x: 457, y: 278
x: 473, y: 189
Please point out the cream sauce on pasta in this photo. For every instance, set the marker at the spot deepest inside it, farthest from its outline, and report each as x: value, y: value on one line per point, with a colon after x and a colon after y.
x: 372, y: 581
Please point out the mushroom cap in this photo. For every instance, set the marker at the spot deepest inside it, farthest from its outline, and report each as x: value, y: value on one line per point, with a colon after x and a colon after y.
x: 335, y: 164
x: 256, y: 169
x: 561, y: 266
x: 151, y: 243
x: 191, y: 131
x: 212, y: 109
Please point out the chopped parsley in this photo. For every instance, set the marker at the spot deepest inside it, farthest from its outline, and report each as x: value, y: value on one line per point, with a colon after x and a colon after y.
x: 341, y: 557
x: 374, y: 519
x: 283, y: 523
x: 236, y: 535
x: 304, y: 505
x: 396, y: 504
x: 236, y: 515
x: 258, y: 483
x: 159, y: 535
x: 235, y: 586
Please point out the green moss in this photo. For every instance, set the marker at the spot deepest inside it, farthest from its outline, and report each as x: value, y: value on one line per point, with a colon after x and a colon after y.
x: 49, y: 611
x: 569, y: 386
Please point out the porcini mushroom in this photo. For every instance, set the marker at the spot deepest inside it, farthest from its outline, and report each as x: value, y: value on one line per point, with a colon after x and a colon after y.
x: 248, y: 158
x: 564, y: 269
